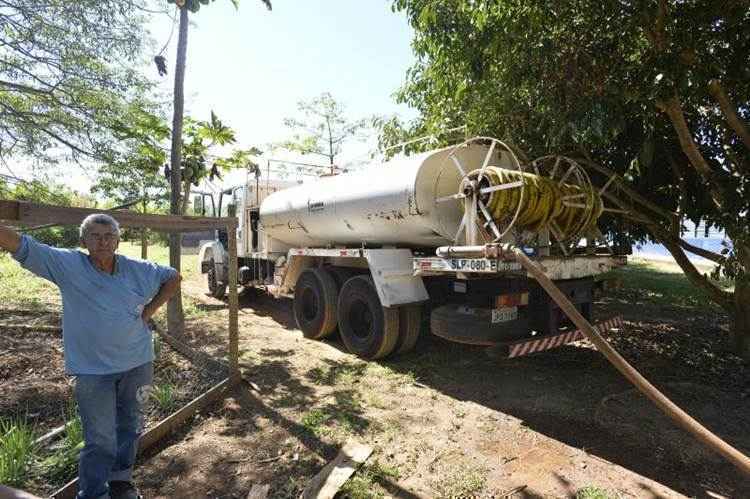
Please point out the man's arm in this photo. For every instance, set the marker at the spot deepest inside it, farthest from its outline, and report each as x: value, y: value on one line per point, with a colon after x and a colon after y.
x: 167, y: 290
x: 10, y: 240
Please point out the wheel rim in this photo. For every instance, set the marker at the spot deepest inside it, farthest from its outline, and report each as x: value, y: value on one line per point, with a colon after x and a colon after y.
x: 360, y: 318
x: 309, y: 304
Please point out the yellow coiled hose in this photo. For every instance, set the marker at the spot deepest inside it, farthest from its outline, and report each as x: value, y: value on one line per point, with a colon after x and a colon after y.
x: 542, y: 203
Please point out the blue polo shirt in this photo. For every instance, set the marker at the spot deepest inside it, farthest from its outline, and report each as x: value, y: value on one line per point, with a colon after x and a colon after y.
x: 103, y: 332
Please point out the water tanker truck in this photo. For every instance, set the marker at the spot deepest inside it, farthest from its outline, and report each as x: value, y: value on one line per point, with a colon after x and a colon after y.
x: 378, y: 253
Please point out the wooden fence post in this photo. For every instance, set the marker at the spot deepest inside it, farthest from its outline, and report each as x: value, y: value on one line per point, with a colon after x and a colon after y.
x: 234, y: 361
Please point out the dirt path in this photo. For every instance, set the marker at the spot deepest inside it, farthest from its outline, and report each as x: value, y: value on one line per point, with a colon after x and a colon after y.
x: 448, y: 420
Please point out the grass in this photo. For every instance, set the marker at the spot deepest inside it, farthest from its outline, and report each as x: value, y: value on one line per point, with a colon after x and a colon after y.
x: 193, y: 309
x: 662, y: 283
x: 344, y: 373
x: 315, y: 422
x: 165, y: 396
x: 17, y: 451
x: 365, y: 483
x: 461, y: 481
x: 160, y: 254
x: 22, y: 289
x: 62, y: 464
x: 593, y: 493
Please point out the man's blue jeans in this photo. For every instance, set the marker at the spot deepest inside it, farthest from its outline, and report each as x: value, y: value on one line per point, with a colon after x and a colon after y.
x: 111, y: 409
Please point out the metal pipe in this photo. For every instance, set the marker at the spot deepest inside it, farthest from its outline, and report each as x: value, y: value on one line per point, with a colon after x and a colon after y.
x: 483, y: 251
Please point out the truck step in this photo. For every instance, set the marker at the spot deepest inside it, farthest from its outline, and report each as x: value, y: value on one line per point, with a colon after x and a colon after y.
x: 529, y: 346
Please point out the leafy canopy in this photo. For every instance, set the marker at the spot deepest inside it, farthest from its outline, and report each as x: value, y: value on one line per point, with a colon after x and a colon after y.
x: 609, y: 82
x: 322, y: 127
x: 68, y: 74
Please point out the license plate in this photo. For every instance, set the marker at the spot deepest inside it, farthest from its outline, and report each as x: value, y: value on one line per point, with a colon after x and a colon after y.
x: 504, y: 314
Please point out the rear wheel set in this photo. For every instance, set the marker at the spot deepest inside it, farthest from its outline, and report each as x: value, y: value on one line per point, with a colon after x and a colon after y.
x: 326, y: 299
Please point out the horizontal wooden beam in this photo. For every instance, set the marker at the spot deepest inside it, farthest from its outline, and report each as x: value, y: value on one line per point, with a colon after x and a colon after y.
x: 28, y: 213
x: 163, y: 429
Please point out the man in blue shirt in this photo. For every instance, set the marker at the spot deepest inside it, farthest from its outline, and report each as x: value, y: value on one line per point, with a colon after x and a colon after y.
x: 107, y: 300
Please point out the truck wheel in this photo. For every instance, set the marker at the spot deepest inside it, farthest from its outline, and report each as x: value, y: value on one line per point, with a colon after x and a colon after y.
x: 409, y: 325
x: 368, y: 329
x: 341, y: 274
x: 216, y: 288
x: 455, y: 323
x: 315, y: 303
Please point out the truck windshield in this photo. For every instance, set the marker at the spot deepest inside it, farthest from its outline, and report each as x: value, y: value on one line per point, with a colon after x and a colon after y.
x: 229, y: 196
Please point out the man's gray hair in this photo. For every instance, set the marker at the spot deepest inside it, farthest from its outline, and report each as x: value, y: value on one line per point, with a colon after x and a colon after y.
x: 98, y: 218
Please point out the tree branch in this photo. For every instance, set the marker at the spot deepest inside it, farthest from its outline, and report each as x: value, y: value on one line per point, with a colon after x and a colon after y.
x: 675, y: 245
x: 673, y: 109
x: 627, y: 190
x: 728, y: 108
x: 722, y: 298
x: 708, y: 255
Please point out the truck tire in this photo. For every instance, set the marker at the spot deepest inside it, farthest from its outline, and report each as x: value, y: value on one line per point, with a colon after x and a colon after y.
x: 409, y: 326
x: 216, y: 288
x: 342, y: 274
x: 454, y: 324
x: 368, y: 329
x: 315, y: 303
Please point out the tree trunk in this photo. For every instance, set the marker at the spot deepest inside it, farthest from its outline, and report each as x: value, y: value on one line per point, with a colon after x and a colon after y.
x: 175, y: 316
x: 185, y: 199
x: 740, y: 333
x: 144, y: 244
x: 144, y: 231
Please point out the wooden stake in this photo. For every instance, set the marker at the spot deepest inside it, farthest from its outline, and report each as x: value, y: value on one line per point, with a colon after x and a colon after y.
x: 234, y: 354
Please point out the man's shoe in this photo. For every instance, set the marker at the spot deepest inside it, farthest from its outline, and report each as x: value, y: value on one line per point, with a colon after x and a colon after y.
x: 123, y: 490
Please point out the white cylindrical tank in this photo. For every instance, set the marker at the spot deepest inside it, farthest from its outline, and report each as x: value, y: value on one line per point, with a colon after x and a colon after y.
x: 393, y: 203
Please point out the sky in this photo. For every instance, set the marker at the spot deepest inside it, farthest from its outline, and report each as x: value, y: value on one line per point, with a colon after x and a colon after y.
x: 251, y: 66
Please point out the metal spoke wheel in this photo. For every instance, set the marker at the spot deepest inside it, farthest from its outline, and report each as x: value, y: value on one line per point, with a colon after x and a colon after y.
x: 476, y: 191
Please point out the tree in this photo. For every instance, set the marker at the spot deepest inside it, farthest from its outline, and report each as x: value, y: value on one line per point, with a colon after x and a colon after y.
x: 175, y: 317
x: 322, y: 129
x: 653, y: 93
x: 198, y: 163
x: 67, y: 75
x: 135, y: 174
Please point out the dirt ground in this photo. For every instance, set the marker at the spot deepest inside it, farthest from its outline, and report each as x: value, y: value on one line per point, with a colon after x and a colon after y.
x: 448, y: 420
x: 35, y: 388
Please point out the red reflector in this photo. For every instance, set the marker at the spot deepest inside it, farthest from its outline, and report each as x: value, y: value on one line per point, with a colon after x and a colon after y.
x: 512, y: 300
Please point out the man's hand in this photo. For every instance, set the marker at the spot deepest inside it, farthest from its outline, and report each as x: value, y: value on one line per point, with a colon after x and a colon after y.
x: 167, y: 290
x: 10, y: 240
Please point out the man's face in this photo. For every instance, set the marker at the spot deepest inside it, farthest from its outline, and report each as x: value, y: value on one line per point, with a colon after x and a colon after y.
x: 101, y: 240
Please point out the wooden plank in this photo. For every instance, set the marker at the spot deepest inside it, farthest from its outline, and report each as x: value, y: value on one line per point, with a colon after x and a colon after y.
x: 163, y: 429
x: 329, y: 480
x: 28, y: 213
x: 31, y: 327
x: 258, y: 492
x: 174, y: 421
x: 44, y: 439
x: 234, y: 356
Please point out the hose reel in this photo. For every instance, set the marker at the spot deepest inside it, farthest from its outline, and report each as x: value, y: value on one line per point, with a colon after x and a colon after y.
x: 510, y: 203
